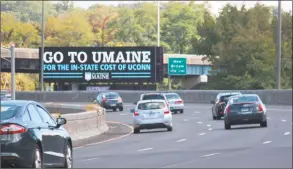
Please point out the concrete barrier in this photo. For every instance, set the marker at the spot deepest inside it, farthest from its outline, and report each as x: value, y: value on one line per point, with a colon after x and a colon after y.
x: 82, y: 125
x: 272, y: 97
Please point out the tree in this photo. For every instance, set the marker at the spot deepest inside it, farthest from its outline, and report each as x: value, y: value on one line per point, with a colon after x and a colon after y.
x: 63, y: 6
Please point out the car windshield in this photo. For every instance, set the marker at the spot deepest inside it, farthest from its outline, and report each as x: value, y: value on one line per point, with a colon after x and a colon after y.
x: 172, y: 96
x: 151, y: 106
x: 153, y: 97
x: 242, y: 99
x: 112, y: 96
x: 8, y: 111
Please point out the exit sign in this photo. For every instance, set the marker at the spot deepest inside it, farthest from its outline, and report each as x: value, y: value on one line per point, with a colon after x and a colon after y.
x: 177, y: 66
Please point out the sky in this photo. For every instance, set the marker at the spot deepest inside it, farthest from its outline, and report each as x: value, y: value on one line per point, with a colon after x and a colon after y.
x: 215, y: 5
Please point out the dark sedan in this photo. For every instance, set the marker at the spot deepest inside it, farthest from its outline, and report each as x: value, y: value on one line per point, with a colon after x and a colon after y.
x: 245, y: 109
x: 30, y: 137
x: 110, y: 100
x: 220, y: 103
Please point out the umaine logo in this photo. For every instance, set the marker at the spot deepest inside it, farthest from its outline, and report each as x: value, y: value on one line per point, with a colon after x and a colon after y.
x: 87, y: 76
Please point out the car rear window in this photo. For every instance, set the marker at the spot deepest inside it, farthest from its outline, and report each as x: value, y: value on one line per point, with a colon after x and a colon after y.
x: 153, y: 97
x: 8, y: 111
x: 112, y: 96
x: 151, y: 106
x: 225, y: 98
x: 244, y: 99
x: 172, y: 96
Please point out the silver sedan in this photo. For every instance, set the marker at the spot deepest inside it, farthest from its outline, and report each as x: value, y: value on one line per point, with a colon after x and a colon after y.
x: 152, y: 114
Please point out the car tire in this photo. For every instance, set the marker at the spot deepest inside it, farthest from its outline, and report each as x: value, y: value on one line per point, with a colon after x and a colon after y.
x: 68, y: 157
x: 264, y: 124
x: 170, y: 129
x: 181, y: 111
x: 121, y: 109
x: 227, y: 126
x: 136, y: 130
x: 37, y: 160
x: 214, y: 117
x: 114, y: 109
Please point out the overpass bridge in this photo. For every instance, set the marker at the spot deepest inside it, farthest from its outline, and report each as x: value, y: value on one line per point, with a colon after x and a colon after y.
x: 27, y: 61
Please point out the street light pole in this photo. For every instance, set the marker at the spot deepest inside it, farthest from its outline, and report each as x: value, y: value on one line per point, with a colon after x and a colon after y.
x: 279, y: 45
x: 12, y: 72
x: 42, y: 52
x: 158, y: 24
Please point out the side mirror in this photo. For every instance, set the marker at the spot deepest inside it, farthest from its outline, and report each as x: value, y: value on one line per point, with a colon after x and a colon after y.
x: 132, y: 110
x: 135, y: 103
x: 95, y: 101
x: 212, y: 102
x: 60, y: 121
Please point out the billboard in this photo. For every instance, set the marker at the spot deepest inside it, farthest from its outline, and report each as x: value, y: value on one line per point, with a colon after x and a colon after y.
x: 102, y: 64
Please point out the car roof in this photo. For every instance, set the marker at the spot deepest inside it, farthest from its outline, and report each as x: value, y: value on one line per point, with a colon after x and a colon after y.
x: 152, y: 94
x: 17, y: 102
x: 147, y: 101
x: 109, y: 93
x: 229, y: 93
x: 170, y: 93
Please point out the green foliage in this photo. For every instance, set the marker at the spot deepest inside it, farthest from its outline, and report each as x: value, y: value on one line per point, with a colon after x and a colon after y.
x: 241, y: 43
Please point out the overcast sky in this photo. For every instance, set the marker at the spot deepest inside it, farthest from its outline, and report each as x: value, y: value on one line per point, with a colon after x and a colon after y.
x: 215, y: 5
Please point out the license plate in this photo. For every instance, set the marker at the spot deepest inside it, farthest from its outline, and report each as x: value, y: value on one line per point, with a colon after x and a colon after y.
x: 113, y: 104
x: 245, y: 109
x: 248, y: 112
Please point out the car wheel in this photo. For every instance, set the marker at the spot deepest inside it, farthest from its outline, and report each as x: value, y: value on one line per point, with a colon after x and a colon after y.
x: 114, y: 109
x: 227, y: 126
x: 121, y: 109
x: 68, y: 158
x: 170, y: 128
x: 37, y: 163
x: 214, y: 117
x: 264, y: 124
x: 136, y: 130
x: 181, y: 111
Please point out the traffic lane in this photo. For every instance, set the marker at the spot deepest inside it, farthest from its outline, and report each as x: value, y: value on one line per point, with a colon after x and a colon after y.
x: 103, y: 161
x: 139, y: 141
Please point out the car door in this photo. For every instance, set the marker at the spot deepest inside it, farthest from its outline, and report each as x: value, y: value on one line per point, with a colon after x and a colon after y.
x: 55, y: 143
x: 40, y: 128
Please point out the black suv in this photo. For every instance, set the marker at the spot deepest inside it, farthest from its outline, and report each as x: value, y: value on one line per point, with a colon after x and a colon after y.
x: 220, y: 103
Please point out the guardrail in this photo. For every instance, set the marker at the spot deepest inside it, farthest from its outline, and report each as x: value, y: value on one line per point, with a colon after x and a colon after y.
x: 273, y: 97
x: 82, y: 125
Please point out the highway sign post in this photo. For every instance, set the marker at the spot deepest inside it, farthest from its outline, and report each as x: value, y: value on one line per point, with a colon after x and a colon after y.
x: 176, y: 66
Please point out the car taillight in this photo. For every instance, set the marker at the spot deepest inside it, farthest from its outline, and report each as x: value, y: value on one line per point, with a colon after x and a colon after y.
x: 104, y: 100
x: 260, y: 109
x: 136, y: 113
x: 228, y: 110
x: 166, y: 112
x: 179, y: 102
x: 12, y: 129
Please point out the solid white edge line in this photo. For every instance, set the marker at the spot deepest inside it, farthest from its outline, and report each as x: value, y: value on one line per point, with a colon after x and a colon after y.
x: 87, y: 159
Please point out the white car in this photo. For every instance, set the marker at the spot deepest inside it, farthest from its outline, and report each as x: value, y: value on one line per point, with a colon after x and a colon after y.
x: 151, y: 114
x: 175, y: 102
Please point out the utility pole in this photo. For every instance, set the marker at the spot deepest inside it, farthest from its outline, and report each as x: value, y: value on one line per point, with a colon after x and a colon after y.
x: 279, y: 45
x: 43, y: 44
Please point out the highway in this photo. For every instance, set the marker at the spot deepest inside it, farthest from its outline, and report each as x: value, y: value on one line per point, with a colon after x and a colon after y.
x: 197, y: 141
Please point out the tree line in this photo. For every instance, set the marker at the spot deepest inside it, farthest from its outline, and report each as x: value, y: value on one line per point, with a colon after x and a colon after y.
x: 240, y: 42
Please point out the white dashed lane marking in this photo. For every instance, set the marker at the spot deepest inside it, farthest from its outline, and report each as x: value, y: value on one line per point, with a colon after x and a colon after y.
x: 185, y: 120
x: 199, y: 122
x: 145, y: 149
x: 284, y: 120
x: 201, y: 134
x: 208, y: 125
x: 267, y: 142
x: 286, y: 134
x: 181, y: 140
x: 210, y: 129
x: 208, y: 155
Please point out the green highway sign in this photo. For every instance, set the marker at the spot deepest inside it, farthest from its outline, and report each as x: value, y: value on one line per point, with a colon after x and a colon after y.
x: 177, y: 66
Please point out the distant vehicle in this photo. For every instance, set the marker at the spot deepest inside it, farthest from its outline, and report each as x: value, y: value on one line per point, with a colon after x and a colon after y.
x: 245, y: 109
x: 152, y: 114
x: 175, y: 102
x: 28, y: 133
x: 152, y: 96
x: 110, y: 100
x: 220, y: 103
x: 5, y: 95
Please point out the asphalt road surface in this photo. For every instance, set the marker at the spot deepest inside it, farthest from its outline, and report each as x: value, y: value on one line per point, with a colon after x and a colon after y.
x: 197, y: 141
